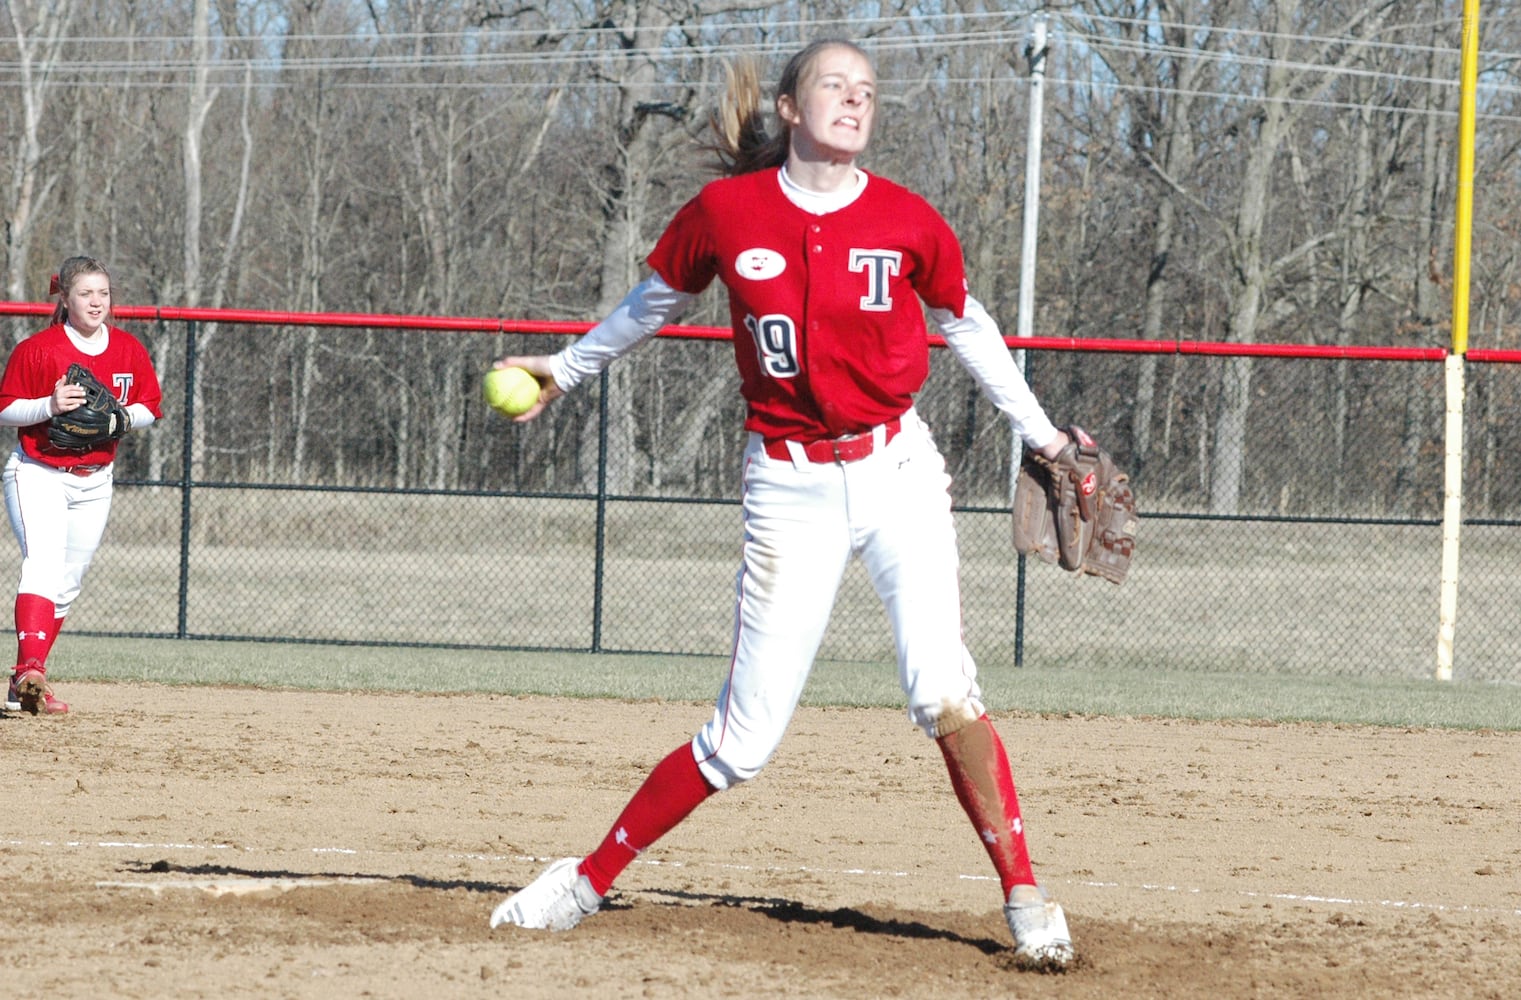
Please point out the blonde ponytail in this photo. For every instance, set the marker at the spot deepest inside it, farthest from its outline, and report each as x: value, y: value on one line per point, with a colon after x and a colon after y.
x: 740, y: 140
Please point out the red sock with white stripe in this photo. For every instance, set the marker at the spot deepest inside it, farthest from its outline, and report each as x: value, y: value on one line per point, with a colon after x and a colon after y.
x: 674, y: 788
x: 34, y: 628
x: 985, y: 788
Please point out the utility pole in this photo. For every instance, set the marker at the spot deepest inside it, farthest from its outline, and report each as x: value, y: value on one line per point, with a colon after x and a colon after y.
x: 1035, y: 54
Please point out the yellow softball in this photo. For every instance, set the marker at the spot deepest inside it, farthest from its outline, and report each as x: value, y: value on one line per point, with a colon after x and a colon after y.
x: 511, y: 390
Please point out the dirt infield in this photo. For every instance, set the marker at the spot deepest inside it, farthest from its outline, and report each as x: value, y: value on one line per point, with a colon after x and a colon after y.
x: 200, y: 842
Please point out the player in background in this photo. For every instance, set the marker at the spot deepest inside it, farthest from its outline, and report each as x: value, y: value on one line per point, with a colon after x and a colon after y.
x: 58, y: 501
x: 825, y: 267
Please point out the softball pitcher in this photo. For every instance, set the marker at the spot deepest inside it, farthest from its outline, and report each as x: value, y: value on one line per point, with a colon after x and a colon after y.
x: 58, y: 499
x: 825, y: 267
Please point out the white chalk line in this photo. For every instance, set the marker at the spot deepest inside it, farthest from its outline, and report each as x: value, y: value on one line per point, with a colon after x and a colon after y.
x: 1294, y: 897
x: 238, y: 886
x: 221, y: 886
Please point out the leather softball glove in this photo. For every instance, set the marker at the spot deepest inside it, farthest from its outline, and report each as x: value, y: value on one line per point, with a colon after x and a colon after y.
x: 1076, y: 510
x: 100, y: 420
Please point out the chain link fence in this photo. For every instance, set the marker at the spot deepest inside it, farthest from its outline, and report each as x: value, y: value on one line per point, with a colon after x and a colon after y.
x: 345, y: 484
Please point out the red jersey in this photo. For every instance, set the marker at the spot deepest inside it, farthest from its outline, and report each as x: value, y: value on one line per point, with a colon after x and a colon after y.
x: 40, y: 360
x: 829, y: 331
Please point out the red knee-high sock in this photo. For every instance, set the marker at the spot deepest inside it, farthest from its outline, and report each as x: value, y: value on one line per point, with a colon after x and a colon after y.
x: 674, y: 788
x: 52, y: 637
x: 985, y: 787
x: 34, y: 628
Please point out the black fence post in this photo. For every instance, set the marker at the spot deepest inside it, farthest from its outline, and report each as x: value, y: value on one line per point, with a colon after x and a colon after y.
x: 1019, y: 611
x: 1016, y: 458
x: 186, y: 457
x: 599, y: 575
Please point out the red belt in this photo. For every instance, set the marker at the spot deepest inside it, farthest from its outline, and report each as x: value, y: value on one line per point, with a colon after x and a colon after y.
x: 81, y: 470
x: 850, y: 448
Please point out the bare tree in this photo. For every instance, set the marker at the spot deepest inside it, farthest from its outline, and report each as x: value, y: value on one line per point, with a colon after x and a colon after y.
x: 1254, y: 265
x: 1161, y: 94
x: 644, y: 139
x: 1422, y: 323
x: 200, y: 97
x: 1375, y: 141
x: 321, y: 160
x: 40, y: 31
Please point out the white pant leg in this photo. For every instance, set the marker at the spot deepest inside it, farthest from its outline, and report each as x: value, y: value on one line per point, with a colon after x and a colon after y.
x: 797, y: 543
x: 58, y: 519
x: 900, y: 507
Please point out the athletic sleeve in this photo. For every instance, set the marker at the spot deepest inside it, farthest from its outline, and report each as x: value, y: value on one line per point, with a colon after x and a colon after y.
x: 649, y: 306
x: 26, y: 412
x: 142, y: 417
x: 977, y: 343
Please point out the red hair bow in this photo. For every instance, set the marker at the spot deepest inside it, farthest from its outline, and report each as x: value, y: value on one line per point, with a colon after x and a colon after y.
x: 53, y: 288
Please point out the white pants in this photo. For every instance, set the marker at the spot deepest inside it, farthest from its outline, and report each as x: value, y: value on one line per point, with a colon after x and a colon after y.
x: 803, y: 523
x: 59, y: 519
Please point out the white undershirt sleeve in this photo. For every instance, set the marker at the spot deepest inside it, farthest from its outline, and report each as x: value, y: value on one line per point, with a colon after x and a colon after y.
x: 26, y: 412
x: 651, y: 305
x: 977, y: 343
x: 142, y: 417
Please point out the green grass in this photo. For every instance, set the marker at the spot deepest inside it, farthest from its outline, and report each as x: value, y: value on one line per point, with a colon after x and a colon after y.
x: 1111, y: 692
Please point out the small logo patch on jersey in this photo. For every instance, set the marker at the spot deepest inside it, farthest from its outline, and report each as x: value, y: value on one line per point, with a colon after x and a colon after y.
x: 759, y: 264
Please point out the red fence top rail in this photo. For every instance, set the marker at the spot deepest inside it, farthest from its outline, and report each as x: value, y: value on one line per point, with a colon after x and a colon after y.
x: 1495, y: 355
x: 568, y: 327
x: 265, y: 317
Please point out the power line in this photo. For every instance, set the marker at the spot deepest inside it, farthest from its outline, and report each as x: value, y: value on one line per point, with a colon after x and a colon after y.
x: 930, y: 36
x: 867, y: 31
x: 921, y: 31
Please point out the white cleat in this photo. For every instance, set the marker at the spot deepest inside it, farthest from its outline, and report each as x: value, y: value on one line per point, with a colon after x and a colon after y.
x: 1041, y: 938
x: 555, y: 901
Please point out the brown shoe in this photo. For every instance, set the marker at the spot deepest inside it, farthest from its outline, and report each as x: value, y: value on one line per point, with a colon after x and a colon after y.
x: 33, y: 693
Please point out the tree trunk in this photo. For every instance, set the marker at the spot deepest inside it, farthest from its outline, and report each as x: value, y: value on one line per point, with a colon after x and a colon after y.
x: 200, y: 99
x: 1417, y: 424
x: 39, y: 33
x: 1174, y: 145
x: 1354, y: 257
x: 627, y: 179
x: 1285, y: 93
x: 1245, y: 308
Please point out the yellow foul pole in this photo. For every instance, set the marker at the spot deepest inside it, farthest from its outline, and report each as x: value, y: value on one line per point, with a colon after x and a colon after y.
x: 1452, y: 507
